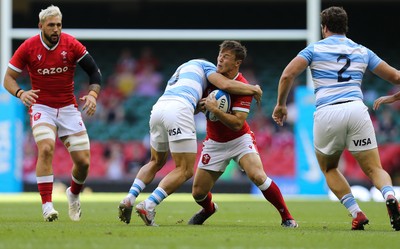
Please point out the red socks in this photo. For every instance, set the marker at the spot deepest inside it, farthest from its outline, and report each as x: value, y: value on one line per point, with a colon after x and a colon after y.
x: 76, y: 187
x: 274, y: 196
x: 207, y: 204
x: 45, y: 191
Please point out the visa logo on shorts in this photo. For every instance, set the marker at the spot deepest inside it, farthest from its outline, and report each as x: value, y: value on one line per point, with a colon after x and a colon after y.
x: 362, y: 142
x: 175, y: 131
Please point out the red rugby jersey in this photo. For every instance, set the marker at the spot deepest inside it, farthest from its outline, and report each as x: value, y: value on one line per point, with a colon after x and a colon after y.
x: 217, y: 131
x: 51, y: 69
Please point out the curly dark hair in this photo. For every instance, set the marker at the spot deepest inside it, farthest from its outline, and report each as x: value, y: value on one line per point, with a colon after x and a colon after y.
x: 335, y: 19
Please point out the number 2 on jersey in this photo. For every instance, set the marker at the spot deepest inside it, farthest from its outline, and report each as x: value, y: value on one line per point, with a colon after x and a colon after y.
x: 344, y: 68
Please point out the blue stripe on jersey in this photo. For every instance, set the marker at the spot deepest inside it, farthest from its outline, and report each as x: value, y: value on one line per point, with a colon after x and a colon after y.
x: 328, y: 74
x: 207, y: 66
x: 184, y: 96
x: 183, y: 90
x: 326, y: 56
x: 338, y: 57
x: 191, y: 76
x: 190, y: 80
x: 337, y: 85
x: 374, y: 60
x: 335, y: 98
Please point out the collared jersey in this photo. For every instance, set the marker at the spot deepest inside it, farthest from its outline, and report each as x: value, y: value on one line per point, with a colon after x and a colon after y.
x: 217, y: 131
x: 337, y: 67
x: 51, y: 69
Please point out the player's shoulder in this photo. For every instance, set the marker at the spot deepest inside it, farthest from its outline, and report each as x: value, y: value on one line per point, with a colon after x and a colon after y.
x: 30, y: 43
x: 241, y: 78
x: 205, y: 64
x: 65, y: 37
x: 241, y: 98
x: 68, y: 41
x: 33, y: 39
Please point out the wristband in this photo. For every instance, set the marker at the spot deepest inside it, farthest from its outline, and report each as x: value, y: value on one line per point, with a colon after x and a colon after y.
x: 20, y: 94
x: 93, y: 93
x: 16, y: 93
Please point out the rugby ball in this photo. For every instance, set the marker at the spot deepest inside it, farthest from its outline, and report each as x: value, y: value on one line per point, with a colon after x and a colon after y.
x: 224, y: 103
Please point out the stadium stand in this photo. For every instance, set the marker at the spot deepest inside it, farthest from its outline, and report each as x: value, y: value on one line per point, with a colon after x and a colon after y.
x: 268, y: 61
x: 132, y: 130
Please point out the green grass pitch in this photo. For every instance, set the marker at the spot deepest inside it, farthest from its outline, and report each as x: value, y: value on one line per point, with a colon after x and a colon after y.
x: 242, y: 221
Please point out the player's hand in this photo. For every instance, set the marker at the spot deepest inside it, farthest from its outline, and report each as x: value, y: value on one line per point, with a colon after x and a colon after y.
x: 280, y: 114
x: 29, y: 98
x: 383, y: 100
x: 90, y: 104
x: 211, y: 103
x: 258, y: 94
x: 200, y: 106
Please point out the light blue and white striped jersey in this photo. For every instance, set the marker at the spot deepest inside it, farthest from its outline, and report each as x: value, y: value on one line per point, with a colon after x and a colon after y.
x: 189, y: 81
x: 337, y: 67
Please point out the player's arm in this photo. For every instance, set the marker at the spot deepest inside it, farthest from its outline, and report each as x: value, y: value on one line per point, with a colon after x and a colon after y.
x: 90, y: 67
x: 10, y: 84
x: 289, y: 74
x: 233, y: 121
x: 235, y: 87
x: 388, y: 99
x: 388, y: 73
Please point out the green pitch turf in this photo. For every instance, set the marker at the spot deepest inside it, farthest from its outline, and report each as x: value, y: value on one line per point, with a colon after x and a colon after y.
x: 243, y: 221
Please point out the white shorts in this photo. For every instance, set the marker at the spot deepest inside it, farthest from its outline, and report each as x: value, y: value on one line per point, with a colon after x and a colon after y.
x: 172, y: 120
x: 341, y: 126
x: 68, y: 119
x: 216, y: 156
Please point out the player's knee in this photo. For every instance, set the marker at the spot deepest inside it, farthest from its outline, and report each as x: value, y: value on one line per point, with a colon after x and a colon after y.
x: 45, y: 150
x: 77, y: 143
x: 197, y: 197
x: 188, y: 173
x: 258, y: 178
x: 198, y: 194
x: 370, y: 172
x: 84, y: 169
x: 155, y: 164
x: 43, y: 132
x: 83, y: 163
x: 160, y: 162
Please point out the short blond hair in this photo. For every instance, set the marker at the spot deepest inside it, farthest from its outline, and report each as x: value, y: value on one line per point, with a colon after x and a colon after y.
x: 50, y: 11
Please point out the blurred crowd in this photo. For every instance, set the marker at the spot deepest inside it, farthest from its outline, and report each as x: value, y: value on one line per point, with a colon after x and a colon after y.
x: 131, y: 78
x: 137, y: 78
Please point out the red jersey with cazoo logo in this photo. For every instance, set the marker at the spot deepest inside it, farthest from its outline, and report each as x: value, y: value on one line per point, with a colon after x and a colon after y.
x: 217, y: 131
x: 50, y: 69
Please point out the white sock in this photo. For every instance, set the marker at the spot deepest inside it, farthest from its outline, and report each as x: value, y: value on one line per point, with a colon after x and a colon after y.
x: 155, y: 198
x: 136, y: 188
